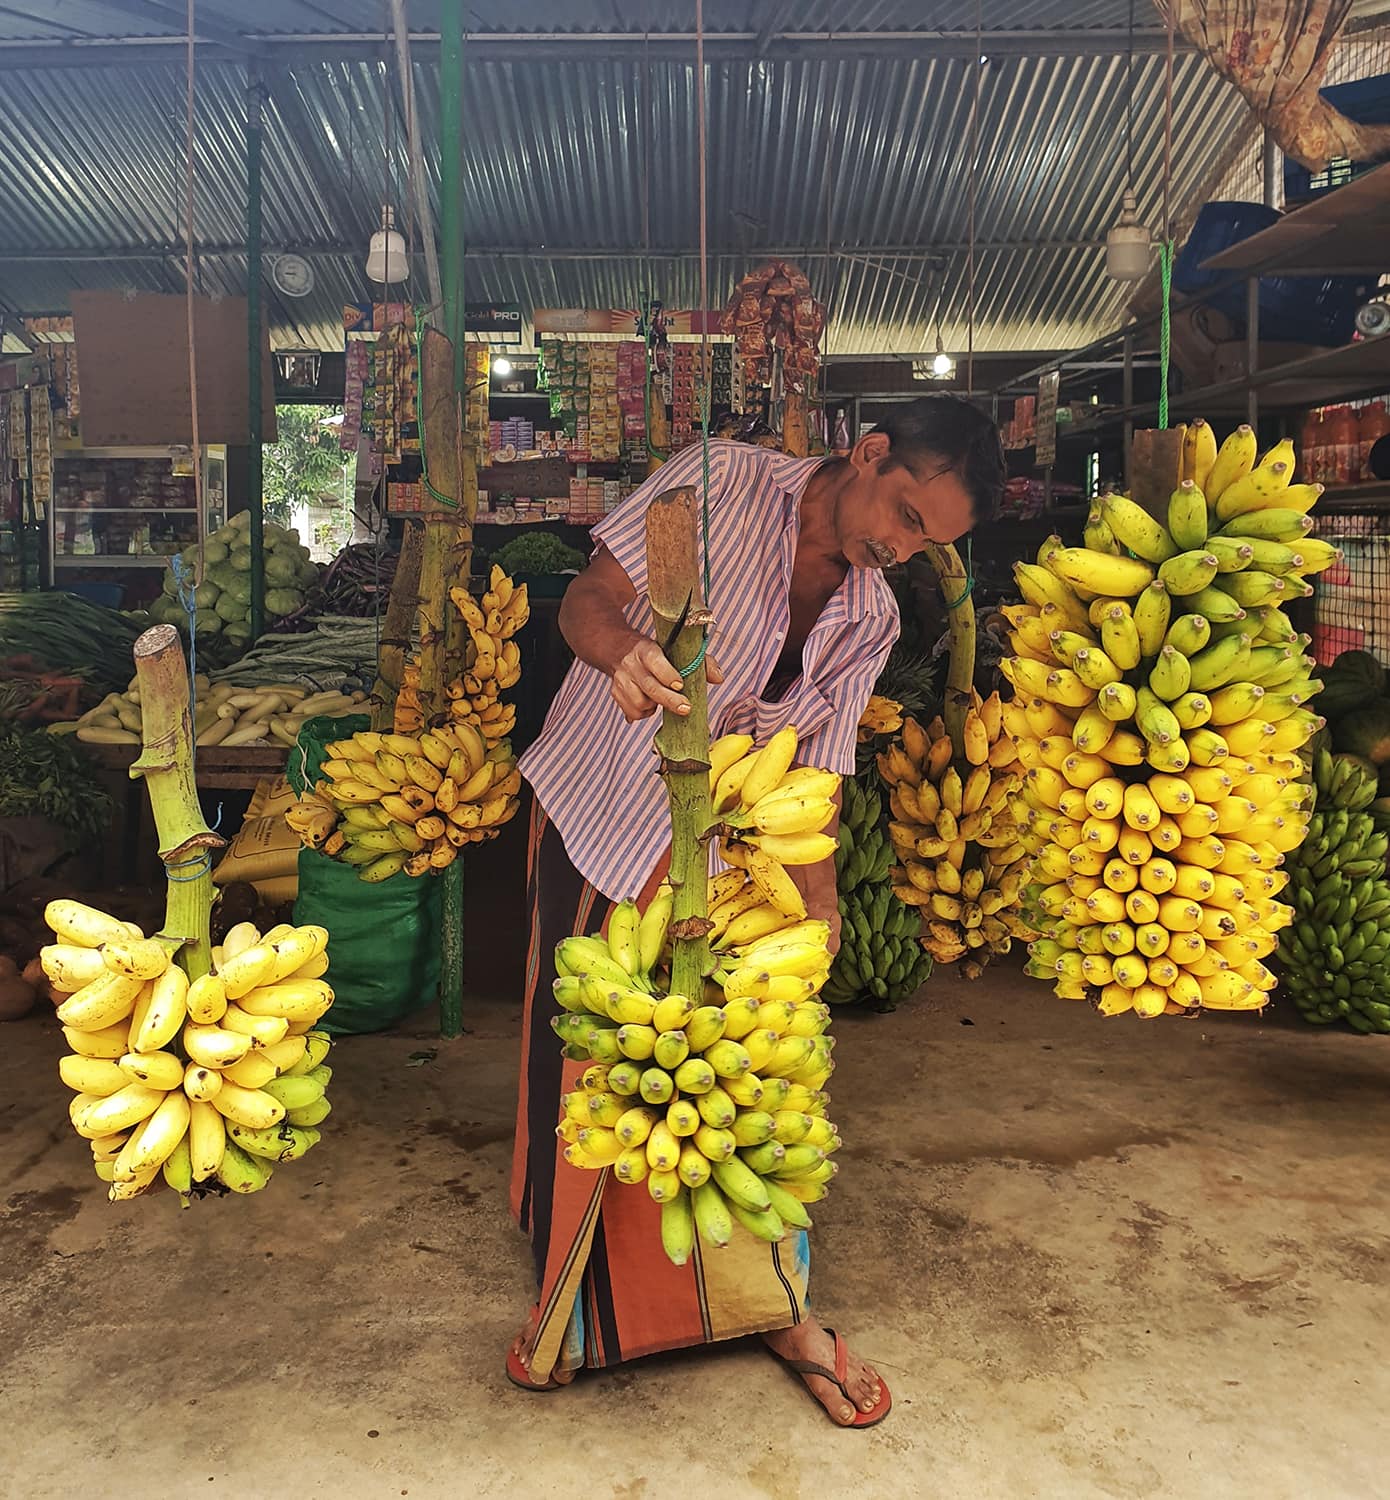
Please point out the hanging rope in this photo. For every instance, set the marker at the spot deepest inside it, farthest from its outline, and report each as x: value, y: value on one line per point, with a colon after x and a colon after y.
x: 973, y: 186
x: 187, y: 580
x: 1165, y: 265
x: 704, y: 286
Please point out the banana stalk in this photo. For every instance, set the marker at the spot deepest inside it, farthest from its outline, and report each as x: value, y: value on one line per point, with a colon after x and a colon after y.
x: 960, y: 622
x: 396, y: 628
x: 673, y: 588
x: 166, y: 763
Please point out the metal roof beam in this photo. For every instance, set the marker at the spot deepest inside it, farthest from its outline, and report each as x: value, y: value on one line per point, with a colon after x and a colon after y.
x: 520, y: 47
x: 560, y: 253
x: 176, y: 16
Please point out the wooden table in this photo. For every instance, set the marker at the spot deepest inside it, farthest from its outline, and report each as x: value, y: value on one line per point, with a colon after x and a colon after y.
x: 130, y: 850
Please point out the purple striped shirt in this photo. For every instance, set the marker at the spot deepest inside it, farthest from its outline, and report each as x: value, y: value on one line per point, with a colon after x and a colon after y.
x: 595, y: 774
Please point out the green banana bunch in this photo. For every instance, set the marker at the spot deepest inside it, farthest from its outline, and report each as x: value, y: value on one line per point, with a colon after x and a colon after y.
x: 1337, y: 950
x: 880, y: 958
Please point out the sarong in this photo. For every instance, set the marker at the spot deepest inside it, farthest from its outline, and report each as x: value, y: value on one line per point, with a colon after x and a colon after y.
x: 607, y: 1292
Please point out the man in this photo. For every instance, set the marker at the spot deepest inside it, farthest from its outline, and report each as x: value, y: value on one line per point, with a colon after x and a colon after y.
x: 803, y: 622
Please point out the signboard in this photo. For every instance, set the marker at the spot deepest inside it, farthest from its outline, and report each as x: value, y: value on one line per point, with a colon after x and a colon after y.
x: 497, y: 322
x: 1048, y: 386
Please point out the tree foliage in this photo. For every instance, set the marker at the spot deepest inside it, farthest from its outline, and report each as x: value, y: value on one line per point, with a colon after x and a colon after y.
x: 303, y: 464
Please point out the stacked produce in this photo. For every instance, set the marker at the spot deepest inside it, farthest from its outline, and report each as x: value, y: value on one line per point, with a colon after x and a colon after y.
x: 215, y: 1080
x: 881, y: 716
x: 1160, y: 702
x: 224, y: 596
x: 392, y: 802
x: 356, y: 583
x: 1336, y: 952
x: 880, y: 956
x: 63, y: 633
x: 31, y: 693
x: 336, y: 653
x: 960, y: 860
x: 223, y: 714
x: 411, y: 799
x: 717, y: 1107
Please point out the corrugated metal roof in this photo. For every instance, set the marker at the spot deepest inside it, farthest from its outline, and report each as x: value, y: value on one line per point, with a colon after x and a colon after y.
x: 867, y: 154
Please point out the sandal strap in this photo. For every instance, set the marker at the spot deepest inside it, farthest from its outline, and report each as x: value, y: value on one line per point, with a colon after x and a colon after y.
x: 807, y: 1367
x: 841, y: 1360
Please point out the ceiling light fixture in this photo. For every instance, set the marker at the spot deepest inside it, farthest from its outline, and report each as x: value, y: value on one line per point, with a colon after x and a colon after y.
x: 386, y: 260
x: 501, y: 367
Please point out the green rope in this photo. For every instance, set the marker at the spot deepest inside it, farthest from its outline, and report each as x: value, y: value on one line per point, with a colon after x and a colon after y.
x: 1165, y: 262
x: 969, y: 575
x: 420, y: 410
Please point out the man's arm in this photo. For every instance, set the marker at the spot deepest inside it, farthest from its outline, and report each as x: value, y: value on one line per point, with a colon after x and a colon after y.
x: 598, y: 632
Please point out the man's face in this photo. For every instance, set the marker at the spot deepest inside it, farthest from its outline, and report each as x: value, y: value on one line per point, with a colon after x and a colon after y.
x: 888, y: 512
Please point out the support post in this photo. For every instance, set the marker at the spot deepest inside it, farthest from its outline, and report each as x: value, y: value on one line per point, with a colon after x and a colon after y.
x: 451, y: 546
x: 1127, y: 400
x: 397, y: 626
x: 186, y: 843
x: 682, y: 742
x: 960, y: 623
x: 1252, y: 350
x: 254, y: 436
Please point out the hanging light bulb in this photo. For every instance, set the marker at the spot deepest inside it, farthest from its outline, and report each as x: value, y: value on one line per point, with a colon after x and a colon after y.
x: 501, y: 367
x: 386, y: 260
x: 1127, y: 245
x: 942, y: 365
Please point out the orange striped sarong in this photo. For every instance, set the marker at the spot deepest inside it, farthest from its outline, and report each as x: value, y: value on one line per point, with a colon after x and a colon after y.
x: 607, y: 1292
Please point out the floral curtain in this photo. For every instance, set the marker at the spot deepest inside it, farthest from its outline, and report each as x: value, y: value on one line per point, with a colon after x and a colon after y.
x: 1276, y: 53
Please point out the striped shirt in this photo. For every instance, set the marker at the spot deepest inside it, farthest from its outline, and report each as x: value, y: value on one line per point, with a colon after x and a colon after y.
x: 595, y: 774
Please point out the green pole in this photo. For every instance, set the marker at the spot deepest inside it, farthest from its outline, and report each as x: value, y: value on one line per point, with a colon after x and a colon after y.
x: 451, y: 278
x: 254, y: 472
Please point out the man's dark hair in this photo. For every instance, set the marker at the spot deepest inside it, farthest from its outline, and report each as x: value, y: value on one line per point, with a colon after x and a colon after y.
x: 950, y: 431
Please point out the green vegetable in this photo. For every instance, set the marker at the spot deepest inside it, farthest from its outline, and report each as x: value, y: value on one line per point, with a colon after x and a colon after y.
x: 69, y: 635
x: 45, y: 775
x: 538, y: 552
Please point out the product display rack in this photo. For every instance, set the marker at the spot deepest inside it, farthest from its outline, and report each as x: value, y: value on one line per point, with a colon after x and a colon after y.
x: 1343, y: 233
x: 117, y: 467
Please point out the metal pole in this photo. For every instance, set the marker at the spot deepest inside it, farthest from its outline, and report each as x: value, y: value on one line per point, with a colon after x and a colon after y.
x: 450, y: 175
x: 451, y: 226
x: 254, y: 469
x: 423, y: 218
x: 1127, y: 400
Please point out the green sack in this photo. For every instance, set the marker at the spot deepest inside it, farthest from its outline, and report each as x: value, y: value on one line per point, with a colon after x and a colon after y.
x: 383, y: 939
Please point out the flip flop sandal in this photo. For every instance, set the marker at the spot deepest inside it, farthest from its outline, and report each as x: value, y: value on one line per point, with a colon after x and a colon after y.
x: 520, y: 1376
x: 837, y: 1377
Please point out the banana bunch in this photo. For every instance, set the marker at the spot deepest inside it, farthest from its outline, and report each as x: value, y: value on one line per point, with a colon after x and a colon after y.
x: 881, y: 716
x: 960, y: 859
x: 392, y: 802
x: 211, y: 1081
x: 717, y: 1107
x: 768, y: 813
x: 1161, y: 697
x: 880, y: 954
x: 494, y: 658
x: 1336, y: 952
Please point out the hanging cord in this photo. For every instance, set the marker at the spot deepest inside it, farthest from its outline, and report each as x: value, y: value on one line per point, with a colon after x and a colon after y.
x: 188, y: 585
x: 704, y: 283
x: 973, y: 186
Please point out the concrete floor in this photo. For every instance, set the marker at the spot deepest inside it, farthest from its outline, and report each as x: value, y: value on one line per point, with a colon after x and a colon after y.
x: 1092, y: 1258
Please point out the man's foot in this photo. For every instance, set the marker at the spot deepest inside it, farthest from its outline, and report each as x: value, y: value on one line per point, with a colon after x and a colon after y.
x: 807, y: 1341
x: 521, y: 1350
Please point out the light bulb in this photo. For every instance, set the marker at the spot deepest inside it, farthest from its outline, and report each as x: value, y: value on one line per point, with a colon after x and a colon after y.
x: 386, y: 259
x: 501, y: 367
x: 1127, y: 245
x: 942, y: 364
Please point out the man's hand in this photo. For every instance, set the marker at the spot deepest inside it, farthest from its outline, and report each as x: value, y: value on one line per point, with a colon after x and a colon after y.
x: 643, y: 681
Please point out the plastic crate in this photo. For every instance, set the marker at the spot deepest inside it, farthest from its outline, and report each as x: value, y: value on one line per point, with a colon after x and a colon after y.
x: 1293, y: 309
x: 1367, y: 101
